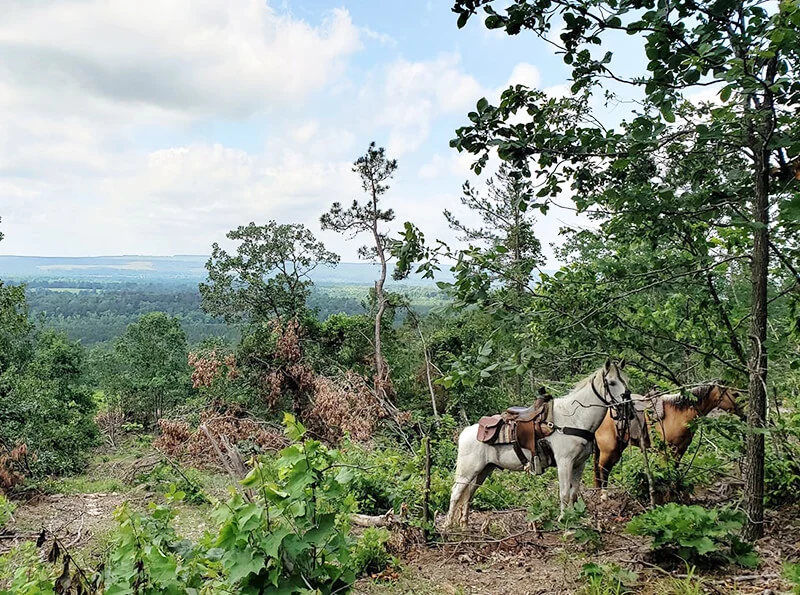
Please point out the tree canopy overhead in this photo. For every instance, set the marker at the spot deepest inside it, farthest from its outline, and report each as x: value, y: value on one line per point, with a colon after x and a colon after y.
x: 715, y: 181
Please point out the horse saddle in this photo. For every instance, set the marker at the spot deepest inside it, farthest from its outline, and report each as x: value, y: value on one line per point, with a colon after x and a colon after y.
x: 633, y: 427
x: 530, y: 413
x: 522, y: 427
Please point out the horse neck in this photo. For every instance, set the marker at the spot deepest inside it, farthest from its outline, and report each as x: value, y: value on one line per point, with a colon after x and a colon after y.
x: 581, y: 408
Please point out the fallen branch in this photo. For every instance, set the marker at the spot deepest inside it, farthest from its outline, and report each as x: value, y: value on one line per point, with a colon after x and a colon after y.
x: 382, y: 520
x: 751, y: 577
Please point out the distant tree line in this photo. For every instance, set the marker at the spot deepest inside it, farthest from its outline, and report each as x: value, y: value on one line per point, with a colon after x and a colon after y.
x: 92, y: 312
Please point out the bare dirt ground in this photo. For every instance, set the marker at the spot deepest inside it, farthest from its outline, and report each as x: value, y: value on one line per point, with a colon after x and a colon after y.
x: 501, y: 554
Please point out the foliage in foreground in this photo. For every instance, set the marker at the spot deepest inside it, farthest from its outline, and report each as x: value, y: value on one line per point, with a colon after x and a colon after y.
x: 6, y: 510
x: 607, y: 579
x: 695, y: 534
x: 287, y: 533
x: 792, y: 574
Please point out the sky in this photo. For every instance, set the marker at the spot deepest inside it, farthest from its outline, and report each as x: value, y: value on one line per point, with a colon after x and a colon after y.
x: 154, y: 127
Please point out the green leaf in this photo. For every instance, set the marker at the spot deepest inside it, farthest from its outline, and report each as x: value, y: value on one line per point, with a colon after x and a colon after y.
x: 241, y: 564
x: 271, y: 542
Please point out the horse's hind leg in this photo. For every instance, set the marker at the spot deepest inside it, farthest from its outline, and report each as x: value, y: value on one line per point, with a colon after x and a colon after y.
x: 478, y: 481
x: 467, y: 480
x: 604, y: 463
x: 606, y: 455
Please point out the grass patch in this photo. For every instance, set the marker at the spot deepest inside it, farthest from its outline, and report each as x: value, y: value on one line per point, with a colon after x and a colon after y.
x: 691, y: 584
x: 84, y: 484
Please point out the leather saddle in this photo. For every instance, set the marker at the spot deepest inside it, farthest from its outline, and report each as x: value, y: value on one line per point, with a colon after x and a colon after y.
x: 522, y: 427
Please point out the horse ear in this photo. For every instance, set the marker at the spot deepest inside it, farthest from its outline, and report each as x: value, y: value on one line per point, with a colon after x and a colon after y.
x: 622, y: 364
x: 542, y: 391
x: 608, y: 365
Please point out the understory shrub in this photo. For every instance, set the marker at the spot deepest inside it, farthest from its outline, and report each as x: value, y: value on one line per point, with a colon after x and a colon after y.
x: 782, y: 461
x: 504, y: 490
x: 388, y: 478
x: 22, y: 572
x: 289, y: 535
x: 792, y: 573
x: 671, y: 482
x: 165, y: 478
x: 45, y: 406
x: 369, y: 553
x: 695, y: 534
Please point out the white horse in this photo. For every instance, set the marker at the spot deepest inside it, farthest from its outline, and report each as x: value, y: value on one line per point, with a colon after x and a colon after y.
x: 576, y: 417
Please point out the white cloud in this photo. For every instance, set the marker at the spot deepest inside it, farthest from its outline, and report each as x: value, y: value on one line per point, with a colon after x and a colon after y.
x: 558, y: 91
x: 706, y: 95
x: 155, y: 127
x: 525, y: 74
x: 382, y: 38
x: 305, y: 132
x: 415, y: 93
x: 234, y: 57
x: 453, y: 164
x: 91, y: 90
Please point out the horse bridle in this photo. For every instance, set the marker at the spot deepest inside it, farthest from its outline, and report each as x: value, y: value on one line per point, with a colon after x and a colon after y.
x: 610, y: 402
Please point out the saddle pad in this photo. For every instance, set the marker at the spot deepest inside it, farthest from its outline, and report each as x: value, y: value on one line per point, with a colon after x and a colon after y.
x: 507, y: 434
x: 658, y: 410
x: 635, y: 426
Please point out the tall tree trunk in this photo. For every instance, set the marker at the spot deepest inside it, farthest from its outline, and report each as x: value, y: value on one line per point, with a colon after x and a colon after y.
x: 381, y: 375
x: 757, y: 404
x: 519, y: 286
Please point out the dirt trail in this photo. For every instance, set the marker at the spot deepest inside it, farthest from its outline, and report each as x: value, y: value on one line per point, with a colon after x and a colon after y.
x: 75, y: 519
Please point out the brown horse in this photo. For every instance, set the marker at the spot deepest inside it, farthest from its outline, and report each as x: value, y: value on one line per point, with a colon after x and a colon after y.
x: 670, y: 414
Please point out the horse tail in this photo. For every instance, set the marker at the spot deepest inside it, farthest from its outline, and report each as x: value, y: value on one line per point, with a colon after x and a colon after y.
x: 459, y: 458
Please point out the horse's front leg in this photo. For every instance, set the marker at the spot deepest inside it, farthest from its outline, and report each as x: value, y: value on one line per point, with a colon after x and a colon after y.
x: 564, y: 467
x: 575, y: 482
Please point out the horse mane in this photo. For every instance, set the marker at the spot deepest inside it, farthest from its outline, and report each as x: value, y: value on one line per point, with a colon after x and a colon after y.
x: 678, y: 401
x: 700, y: 392
x: 583, y: 383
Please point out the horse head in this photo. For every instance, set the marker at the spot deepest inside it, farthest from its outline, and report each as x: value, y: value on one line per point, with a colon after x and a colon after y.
x: 716, y: 395
x: 615, y: 382
x: 616, y: 394
x: 729, y: 401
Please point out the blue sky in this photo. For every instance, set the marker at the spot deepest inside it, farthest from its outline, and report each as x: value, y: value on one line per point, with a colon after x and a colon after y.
x: 153, y: 128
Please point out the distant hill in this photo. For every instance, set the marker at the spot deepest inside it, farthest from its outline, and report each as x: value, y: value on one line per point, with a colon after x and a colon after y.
x: 187, y: 269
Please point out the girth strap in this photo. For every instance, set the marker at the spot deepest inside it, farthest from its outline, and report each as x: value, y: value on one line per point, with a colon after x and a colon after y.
x: 579, y: 432
x: 520, y: 454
